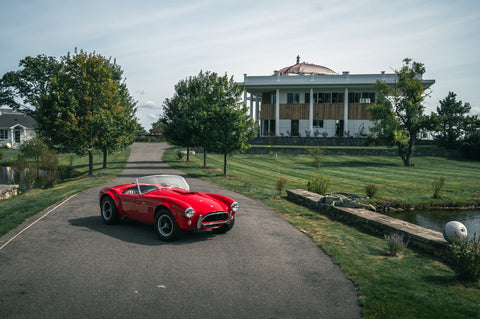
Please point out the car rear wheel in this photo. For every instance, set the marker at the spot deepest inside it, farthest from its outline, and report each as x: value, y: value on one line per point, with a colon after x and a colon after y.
x: 109, y: 211
x: 165, y: 225
x: 224, y: 228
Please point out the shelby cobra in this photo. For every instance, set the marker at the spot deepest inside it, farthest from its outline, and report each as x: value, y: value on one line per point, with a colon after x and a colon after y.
x: 167, y: 202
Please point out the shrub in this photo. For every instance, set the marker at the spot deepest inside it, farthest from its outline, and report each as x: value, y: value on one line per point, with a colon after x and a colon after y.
x: 280, y: 185
x: 437, y: 186
x: 180, y: 154
x: 319, y: 184
x: 33, y: 148
x: 395, y: 243
x: 317, y: 154
x: 371, y: 190
x: 49, y: 162
x: 1, y: 155
x: 467, y: 256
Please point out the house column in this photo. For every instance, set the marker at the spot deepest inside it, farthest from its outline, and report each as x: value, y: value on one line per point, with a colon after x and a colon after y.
x: 244, y: 92
x: 251, y: 106
x: 277, y: 112
x: 11, y: 136
x: 257, y: 110
x: 345, y: 112
x: 310, y: 117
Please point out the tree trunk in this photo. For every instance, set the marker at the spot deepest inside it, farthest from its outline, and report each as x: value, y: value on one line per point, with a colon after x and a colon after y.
x: 225, y: 164
x: 188, y: 153
x: 104, y: 159
x: 204, y: 157
x: 90, y: 163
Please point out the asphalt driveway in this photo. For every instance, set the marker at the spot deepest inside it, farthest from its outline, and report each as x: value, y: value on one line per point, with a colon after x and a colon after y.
x: 68, y: 264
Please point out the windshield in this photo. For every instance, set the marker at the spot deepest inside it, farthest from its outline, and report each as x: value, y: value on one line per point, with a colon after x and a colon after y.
x: 147, y: 184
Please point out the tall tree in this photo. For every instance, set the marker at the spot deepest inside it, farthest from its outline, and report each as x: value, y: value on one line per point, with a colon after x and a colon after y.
x: 450, y: 121
x: 233, y: 126
x: 398, y: 113
x: 80, y: 102
x: 187, y: 115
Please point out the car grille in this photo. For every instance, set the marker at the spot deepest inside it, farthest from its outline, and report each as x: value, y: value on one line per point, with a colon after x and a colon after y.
x: 213, y: 217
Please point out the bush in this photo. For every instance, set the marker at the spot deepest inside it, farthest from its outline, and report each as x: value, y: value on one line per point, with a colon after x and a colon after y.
x: 317, y: 154
x: 395, y: 243
x: 318, y: 184
x: 33, y: 148
x: 437, y: 186
x: 280, y: 185
x: 1, y: 155
x: 180, y: 154
x: 467, y: 256
x: 371, y: 190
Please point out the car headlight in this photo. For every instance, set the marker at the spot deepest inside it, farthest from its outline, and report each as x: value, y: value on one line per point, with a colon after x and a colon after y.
x: 235, y: 206
x: 189, y: 212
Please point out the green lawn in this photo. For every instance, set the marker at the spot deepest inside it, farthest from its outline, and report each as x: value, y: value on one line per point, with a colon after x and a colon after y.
x: 16, y: 210
x: 413, y: 286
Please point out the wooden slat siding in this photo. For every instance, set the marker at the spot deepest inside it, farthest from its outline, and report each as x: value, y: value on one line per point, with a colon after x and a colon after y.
x: 358, y: 111
x: 294, y: 111
x: 267, y: 112
x: 328, y: 111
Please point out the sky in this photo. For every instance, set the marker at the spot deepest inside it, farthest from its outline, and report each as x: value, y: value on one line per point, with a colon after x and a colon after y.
x: 158, y: 43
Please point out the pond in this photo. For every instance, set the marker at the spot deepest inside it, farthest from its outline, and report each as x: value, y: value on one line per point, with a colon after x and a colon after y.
x: 6, y: 175
x: 435, y: 220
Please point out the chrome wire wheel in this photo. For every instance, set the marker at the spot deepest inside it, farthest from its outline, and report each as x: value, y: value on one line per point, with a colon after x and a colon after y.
x: 107, y: 210
x: 165, y: 225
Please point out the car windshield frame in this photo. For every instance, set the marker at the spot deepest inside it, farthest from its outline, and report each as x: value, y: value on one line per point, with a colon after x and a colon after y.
x: 146, y: 184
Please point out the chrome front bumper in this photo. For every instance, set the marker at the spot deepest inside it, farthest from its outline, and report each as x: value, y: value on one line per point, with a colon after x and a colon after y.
x: 216, y: 223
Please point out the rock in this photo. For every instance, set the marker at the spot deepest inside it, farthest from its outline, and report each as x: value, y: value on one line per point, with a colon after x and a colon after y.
x: 454, y: 232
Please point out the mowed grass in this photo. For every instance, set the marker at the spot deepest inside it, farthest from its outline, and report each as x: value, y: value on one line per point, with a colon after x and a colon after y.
x: 413, y: 286
x: 16, y: 210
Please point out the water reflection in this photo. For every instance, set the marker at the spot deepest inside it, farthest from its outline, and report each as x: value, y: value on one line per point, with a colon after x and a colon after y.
x: 437, y: 219
x: 6, y: 175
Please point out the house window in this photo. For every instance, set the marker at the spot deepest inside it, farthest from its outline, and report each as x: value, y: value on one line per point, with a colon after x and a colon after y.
x: 338, y: 97
x: 3, y: 134
x: 293, y: 98
x: 317, y: 123
x: 268, y: 128
x: 273, y: 98
x: 307, y: 97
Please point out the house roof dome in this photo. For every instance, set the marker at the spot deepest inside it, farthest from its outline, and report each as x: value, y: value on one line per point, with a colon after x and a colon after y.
x: 305, y: 68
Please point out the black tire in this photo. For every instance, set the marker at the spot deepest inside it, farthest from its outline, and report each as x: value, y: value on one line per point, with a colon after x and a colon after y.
x: 165, y: 225
x: 108, y: 211
x: 224, y: 228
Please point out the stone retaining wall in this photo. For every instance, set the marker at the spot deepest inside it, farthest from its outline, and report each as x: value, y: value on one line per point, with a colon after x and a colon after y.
x: 419, y: 237
x: 7, y: 191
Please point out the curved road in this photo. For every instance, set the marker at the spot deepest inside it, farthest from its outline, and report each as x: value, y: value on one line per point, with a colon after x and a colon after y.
x: 69, y: 264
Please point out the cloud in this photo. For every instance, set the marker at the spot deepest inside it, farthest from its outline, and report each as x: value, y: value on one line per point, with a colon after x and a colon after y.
x: 149, y: 104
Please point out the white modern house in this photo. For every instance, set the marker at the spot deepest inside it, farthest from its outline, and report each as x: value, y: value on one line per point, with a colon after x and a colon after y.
x: 312, y: 100
x: 15, y: 128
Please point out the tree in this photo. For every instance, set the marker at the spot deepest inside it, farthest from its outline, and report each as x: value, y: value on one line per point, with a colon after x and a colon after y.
x: 450, y: 120
x: 187, y: 119
x: 471, y: 143
x: 233, y: 126
x: 79, y: 102
x: 398, y: 113
x: 206, y: 111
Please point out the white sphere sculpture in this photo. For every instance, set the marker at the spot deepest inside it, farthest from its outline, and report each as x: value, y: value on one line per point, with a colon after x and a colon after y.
x: 454, y: 232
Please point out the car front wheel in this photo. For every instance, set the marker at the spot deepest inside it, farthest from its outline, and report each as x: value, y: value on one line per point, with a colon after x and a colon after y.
x: 109, y: 211
x: 165, y: 225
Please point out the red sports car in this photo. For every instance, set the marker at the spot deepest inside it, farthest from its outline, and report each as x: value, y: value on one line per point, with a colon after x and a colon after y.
x: 167, y: 202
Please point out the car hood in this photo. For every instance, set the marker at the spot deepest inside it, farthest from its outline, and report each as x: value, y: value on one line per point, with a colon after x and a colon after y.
x: 200, y: 202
